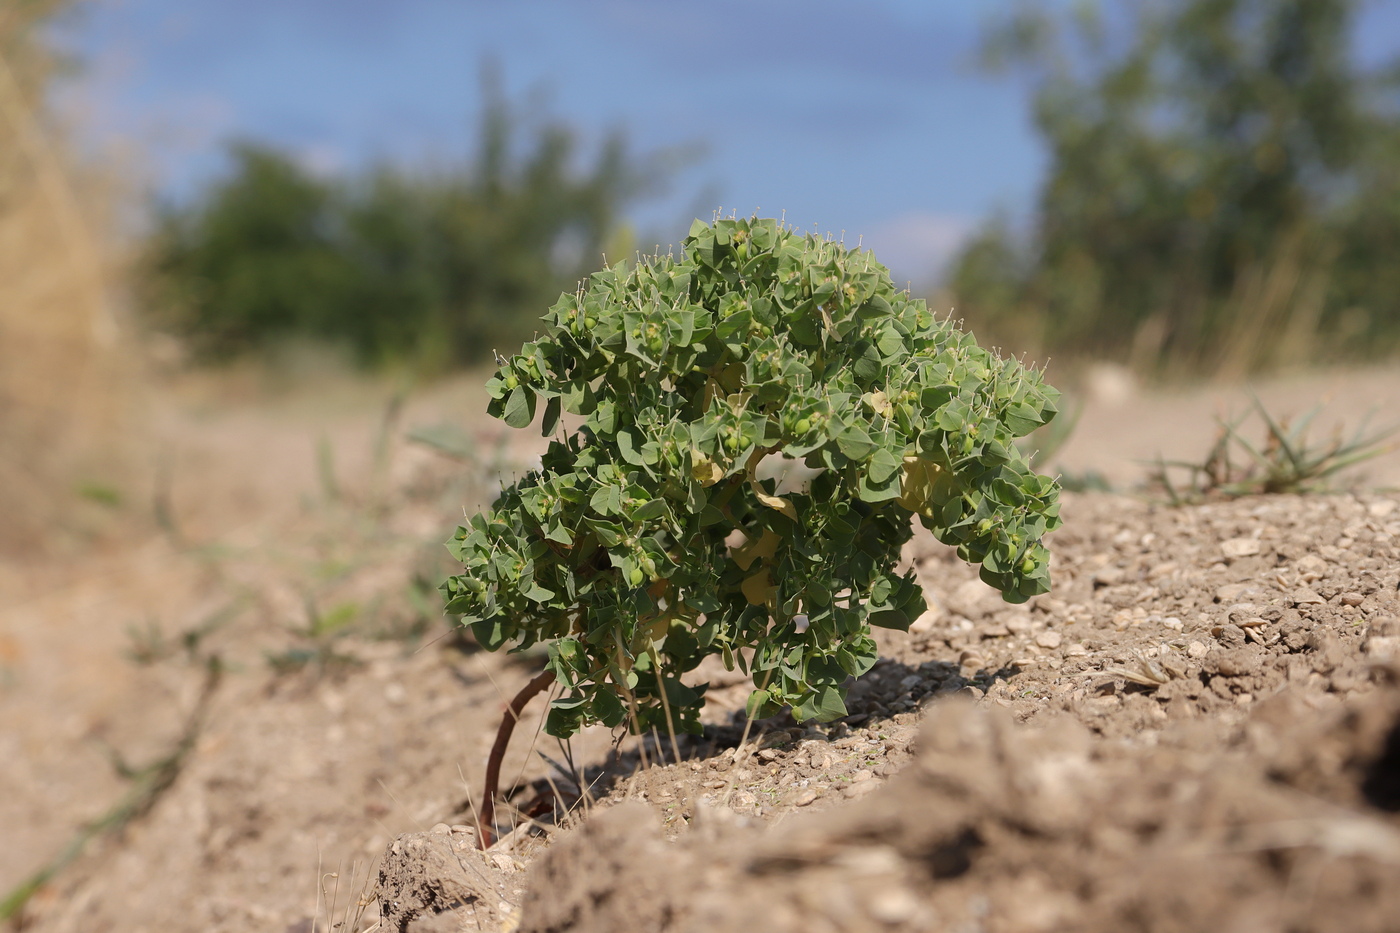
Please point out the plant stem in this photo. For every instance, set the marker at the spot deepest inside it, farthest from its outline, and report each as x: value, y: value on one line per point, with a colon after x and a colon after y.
x: 498, y: 753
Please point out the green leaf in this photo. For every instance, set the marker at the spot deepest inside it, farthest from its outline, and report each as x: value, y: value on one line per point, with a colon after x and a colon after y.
x: 566, y: 716
x: 607, y: 500
x: 550, y: 424
x: 823, y: 705
x: 519, y: 408
x: 578, y: 397
x: 855, y: 443
x: 629, y: 443
x: 607, y: 708
x: 758, y: 701
x: 555, y: 531
x: 883, y: 466
x: 870, y: 491
x: 536, y: 593
x: 609, y: 533
x: 650, y: 510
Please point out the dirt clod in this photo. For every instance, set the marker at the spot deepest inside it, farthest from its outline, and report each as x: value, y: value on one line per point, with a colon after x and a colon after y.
x: 432, y: 875
x: 1005, y: 828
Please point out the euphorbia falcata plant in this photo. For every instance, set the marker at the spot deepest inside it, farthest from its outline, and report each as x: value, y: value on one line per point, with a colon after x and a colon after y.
x: 664, y: 523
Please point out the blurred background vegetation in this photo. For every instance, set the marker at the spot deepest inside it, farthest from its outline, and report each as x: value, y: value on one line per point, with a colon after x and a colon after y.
x: 1222, y: 198
x: 65, y: 368
x: 430, y: 267
x: 1223, y: 195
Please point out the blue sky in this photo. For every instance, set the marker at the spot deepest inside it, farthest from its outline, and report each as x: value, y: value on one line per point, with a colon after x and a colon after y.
x: 869, y: 118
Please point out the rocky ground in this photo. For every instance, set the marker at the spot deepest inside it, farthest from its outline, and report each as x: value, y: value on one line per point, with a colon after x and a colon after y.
x: 1199, y: 728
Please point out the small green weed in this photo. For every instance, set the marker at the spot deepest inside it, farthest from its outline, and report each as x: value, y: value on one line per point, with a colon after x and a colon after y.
x: 1286, y: 461
x: 102, y: 494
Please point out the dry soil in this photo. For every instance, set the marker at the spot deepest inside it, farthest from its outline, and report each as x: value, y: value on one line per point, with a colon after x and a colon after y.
x: 1199, y: 728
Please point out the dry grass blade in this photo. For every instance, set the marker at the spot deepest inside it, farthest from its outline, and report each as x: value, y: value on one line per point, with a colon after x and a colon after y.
x: 64, y: 377
x: 1145, y: 672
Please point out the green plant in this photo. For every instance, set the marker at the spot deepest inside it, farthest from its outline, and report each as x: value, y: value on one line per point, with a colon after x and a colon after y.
x: 652, y: 536
x: 1286, y: 462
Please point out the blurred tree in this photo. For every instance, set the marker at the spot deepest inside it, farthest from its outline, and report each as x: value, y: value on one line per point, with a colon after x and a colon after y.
x: 1212, y: 193
x: 437, y: 267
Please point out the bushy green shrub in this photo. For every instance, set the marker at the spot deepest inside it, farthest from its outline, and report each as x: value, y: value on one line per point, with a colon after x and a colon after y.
x: 652, y: 536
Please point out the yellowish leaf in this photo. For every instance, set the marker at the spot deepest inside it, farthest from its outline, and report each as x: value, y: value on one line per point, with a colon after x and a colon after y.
x: 705, y: 470
x: 924, y: 484
x: 758, y: 589
x: 761, y: 548
x: 879, y: 403
x: 779, y: 503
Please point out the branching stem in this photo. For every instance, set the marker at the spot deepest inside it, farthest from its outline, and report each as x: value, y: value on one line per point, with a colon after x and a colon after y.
x: 541, y: 682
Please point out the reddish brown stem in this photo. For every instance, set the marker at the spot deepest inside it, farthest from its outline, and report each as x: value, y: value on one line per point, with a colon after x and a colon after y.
x: 498, y: 754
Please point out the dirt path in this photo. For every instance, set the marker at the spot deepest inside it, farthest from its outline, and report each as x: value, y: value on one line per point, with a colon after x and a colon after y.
x: 1202, y: 705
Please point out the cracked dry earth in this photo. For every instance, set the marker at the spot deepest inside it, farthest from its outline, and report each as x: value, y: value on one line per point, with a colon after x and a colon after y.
x: 1198, y: 729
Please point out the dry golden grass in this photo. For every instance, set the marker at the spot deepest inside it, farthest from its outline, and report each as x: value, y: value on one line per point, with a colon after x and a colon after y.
x: 65, y: 376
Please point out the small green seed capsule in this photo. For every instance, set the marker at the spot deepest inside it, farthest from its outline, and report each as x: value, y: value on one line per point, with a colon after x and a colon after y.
x: 1027, y: 565
x: 512, y: 382
x: 636, y: 576
x: 803, y: 426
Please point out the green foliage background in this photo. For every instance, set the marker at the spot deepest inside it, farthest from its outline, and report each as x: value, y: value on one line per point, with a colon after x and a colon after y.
x: 1223, y: 191
x: 434, y: 267
x: 648, y: 539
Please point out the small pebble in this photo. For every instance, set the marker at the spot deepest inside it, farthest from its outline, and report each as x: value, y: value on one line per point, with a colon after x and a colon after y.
x: 1306, y: 597
x: 1239, y: 547
x: 441, y: 829
x: 806, y: 797
x: 1049, y: 639
x: 1383, y: 647
x: 1196, y: 650
x: 463, y: 829
x: 1311, y: 567
x: 893, y: 906
x: 1108, y: 576
x: 1241, y: 611
x: 1352, y: 599
x: 860, y: 790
